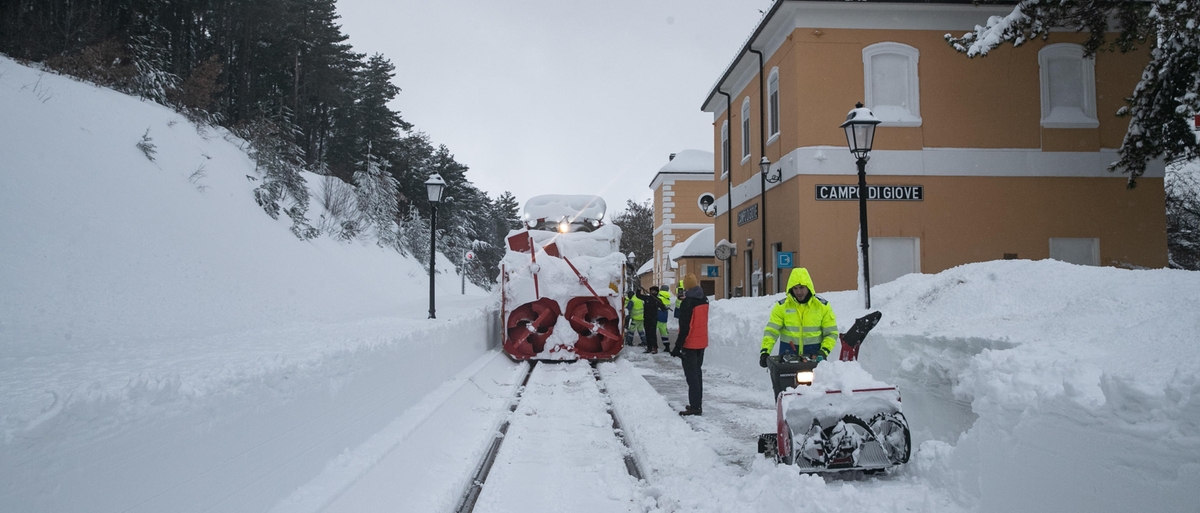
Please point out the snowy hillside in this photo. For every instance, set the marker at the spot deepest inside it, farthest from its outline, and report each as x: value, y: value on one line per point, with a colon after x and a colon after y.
x: 136, y: 292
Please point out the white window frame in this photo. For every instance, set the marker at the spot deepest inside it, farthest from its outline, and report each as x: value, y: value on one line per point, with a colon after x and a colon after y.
x: 913, y: 107
x: 725, y: 148
x: 773, y: 105
x: 1068, y: 51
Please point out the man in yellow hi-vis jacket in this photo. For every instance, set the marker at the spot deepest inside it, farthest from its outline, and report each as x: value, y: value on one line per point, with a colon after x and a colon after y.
x: 802, y: 321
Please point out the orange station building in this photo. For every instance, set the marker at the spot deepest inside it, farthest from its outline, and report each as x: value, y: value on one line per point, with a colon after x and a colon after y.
x: 1003, y: 157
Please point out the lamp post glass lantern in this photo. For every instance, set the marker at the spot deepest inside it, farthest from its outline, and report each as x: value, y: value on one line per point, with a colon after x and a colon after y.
x: 860, y: 135
x: 434, y: 186
x: 631, y: 258
x: 765, y: 166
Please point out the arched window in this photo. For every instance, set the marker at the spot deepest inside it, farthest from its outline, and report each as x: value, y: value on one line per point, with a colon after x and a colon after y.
x: 724, y: 149
x: 745, y: 129
x: 1068, y: 87
x: 773, y: 105
x: 891, y: 86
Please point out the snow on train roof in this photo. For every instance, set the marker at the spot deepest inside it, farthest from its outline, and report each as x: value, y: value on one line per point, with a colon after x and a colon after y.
x: 570, y: 206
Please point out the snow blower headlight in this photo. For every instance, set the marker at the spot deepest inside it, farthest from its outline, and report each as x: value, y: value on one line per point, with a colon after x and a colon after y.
x: 804, y: 378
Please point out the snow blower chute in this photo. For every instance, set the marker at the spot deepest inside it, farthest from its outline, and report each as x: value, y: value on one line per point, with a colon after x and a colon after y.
x: 561, y: 282
x: 820, y: 429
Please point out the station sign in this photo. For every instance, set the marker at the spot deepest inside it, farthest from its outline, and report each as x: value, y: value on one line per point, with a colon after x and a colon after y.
x: 747, y: 214
x: 874, y: 192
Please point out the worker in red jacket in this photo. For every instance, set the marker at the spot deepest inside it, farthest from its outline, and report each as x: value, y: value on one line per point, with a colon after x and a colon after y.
x: 692, y: 340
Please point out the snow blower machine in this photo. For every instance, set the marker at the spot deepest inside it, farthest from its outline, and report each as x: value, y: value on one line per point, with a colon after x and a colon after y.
x: 831, y: 416
x: 561, y: 282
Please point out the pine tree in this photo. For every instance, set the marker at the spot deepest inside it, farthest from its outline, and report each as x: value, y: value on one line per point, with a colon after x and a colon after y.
x: 414, y: 237
x: 637, y: 230
x: 1183, y: 215
x: 376, y: 190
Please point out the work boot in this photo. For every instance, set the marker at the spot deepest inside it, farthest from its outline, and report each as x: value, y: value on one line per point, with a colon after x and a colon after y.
x: 689, y: 411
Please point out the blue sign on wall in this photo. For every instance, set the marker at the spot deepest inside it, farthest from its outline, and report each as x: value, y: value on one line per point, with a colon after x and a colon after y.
x: 712, y: 271
x: 783, y: 259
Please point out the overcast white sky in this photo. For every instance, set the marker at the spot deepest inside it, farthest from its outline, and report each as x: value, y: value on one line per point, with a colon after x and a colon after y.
x: 552, y: 96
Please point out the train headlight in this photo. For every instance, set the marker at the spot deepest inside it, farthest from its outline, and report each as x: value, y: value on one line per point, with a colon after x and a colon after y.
x: 804, y: 378
x: 564, y: 226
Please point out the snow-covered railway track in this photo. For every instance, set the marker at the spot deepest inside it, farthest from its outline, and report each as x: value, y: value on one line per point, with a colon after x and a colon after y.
x: 560, y: 448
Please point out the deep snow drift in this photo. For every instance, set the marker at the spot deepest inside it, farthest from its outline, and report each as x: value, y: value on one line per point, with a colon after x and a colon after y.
x: 158, y: 330
x: 165, y: 346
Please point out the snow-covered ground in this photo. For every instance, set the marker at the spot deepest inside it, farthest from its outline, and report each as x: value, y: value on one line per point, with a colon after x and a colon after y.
x: 165, y: 346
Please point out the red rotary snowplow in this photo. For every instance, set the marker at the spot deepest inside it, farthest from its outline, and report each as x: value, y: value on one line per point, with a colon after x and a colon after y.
x: 561, y: 283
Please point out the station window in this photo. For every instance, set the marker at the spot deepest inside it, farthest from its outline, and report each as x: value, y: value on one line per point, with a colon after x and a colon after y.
x: 773, y: 105
x: 745, y: 129
x: 725, y: 149
x: 1068, y: 83
x: 1080, y: 251
x: 891, y: 87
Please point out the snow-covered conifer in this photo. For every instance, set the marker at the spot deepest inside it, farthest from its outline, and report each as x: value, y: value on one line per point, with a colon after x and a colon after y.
x: 1166, y: 96
x: 376, y: 190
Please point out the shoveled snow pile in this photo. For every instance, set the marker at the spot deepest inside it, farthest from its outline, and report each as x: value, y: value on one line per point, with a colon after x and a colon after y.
x: 1083, y: 379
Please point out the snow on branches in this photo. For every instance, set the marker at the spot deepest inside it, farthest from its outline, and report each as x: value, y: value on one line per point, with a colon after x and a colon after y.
x: 1166, y: 95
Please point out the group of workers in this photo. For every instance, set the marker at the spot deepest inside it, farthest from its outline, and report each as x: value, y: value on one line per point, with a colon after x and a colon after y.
x: 649, y: 310
x: 801, y: 322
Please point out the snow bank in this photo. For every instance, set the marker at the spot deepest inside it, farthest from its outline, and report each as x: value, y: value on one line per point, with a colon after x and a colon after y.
x: 1083, y: 379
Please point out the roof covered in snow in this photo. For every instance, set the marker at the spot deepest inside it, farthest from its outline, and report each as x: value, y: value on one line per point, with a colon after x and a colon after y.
x: 575, y: 208
x: 646, y: 267
x: 699, y: 245
x: 689, y: 161
x: 686, y: 165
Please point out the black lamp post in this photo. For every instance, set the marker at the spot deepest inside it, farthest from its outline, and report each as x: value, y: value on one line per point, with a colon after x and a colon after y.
x: 434, y: 186
x: 860, y: 134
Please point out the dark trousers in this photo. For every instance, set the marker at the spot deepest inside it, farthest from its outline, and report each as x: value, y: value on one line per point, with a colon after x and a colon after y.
x: 693, y: 359
x: 651, y: 333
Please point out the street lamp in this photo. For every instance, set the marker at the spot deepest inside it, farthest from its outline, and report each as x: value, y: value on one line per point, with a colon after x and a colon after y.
x: 631, y: 258
x: 434, y: 186
x: 765, y: 166
x: 860, y: 135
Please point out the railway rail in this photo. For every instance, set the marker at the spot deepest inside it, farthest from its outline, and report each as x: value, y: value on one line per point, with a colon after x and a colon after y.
x: 547, y: 379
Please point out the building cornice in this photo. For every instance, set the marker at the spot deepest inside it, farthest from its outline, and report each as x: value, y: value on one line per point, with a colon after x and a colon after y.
x: 959, y: 162
x: 681, y: 226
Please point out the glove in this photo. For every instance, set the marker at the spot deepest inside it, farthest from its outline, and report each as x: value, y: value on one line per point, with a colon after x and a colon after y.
x: 819, y: 358
x: 676, y: 353
x: 762, y: 359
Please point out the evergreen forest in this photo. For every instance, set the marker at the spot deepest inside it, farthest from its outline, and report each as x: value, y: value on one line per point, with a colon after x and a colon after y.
x: 280, y: 75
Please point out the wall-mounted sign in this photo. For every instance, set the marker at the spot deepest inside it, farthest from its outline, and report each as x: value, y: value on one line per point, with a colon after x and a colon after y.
x: 712, y: 271
x: 748, y: 214
x: 874, y: 192
x: 783, y: 259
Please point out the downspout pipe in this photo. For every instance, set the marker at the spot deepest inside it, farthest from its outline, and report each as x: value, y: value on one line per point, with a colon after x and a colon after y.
x: 762, y: 178
x: 727, y: 170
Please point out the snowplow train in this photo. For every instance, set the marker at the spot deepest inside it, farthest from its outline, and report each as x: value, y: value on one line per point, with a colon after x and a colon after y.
x: 561, y: 282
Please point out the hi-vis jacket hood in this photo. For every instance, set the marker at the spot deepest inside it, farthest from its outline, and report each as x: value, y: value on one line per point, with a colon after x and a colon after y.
x: 809, y: 327
x: 799, y: 276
